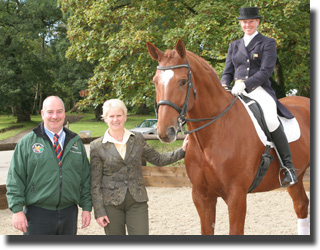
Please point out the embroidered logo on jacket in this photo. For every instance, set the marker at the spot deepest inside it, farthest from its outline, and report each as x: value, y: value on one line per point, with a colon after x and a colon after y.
x: 75, y: 146
x: 38, y: 148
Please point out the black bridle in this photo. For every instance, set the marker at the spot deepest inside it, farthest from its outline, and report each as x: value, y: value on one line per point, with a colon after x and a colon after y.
x: 183, y: 111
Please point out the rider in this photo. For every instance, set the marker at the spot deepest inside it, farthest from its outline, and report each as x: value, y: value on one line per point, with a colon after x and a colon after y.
x: 250, y: 63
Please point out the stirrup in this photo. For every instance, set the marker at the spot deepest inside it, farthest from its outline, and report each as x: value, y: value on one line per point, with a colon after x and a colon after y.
x: 291, y: 176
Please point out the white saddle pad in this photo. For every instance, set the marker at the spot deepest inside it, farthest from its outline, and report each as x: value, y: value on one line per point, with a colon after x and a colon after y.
x: 291, y: 127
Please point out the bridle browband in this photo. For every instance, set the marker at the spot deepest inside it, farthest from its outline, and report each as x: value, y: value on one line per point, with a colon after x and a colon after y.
x: 183, y: 111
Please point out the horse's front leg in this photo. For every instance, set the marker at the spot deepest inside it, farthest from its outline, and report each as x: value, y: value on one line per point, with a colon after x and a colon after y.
x: 206, y: 207
x: 237, y: 207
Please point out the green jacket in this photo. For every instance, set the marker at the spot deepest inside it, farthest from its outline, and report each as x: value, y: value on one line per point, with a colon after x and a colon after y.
x: 35, y: 178
x: 112, y: 176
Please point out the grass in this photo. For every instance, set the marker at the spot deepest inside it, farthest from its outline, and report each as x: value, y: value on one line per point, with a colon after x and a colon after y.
x: 7, y: 121
x: 88, y: 122
x: 98, y: 128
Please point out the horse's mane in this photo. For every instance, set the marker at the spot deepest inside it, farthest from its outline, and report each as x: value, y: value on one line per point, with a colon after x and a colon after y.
x: 206, y: 65
x: 203, y: 62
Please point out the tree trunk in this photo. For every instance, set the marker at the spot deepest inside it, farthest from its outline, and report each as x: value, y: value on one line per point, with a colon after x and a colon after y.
x: 98, y: 112
x: 35, y: 103
x: 143, y: 110
x: 40, y: 101
x: 22, y: 115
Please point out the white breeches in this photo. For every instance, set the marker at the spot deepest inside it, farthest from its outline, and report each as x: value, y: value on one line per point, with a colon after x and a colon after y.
x: 268, y: 106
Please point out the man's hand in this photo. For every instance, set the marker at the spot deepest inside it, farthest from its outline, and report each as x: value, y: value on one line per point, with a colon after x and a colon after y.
x: 19, y: 221
x: 86, y: 218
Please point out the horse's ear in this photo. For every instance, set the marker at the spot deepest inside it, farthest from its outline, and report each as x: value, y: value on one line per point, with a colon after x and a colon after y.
x: 154, y: 52
x: 181, y: 49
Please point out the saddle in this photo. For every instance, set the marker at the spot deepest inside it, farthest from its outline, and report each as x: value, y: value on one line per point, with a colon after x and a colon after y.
x: 290, y: 127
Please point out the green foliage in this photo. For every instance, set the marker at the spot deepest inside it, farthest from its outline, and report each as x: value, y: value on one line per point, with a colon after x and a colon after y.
x: 113, y: 35
x: 106, y: 43
x: 24, y: 26
x: 32, y: 58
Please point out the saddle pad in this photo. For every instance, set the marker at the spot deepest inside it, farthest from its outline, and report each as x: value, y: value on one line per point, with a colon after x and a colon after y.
x: 291, y: 127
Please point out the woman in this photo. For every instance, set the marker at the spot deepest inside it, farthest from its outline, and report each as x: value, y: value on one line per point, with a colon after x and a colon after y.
x: 250, y: 63
x: 118, y: 190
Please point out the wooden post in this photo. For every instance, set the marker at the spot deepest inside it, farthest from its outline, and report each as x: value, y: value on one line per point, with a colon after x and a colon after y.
x: 3, y: 197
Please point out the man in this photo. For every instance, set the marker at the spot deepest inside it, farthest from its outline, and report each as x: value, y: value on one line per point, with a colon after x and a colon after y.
x: 50, y: 175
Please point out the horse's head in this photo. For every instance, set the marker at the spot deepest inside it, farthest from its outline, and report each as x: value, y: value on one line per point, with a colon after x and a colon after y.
x: 173, y: 85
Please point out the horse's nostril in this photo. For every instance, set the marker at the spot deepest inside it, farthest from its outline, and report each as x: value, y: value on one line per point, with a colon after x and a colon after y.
x: 169, y: 136
x: 171, y: 132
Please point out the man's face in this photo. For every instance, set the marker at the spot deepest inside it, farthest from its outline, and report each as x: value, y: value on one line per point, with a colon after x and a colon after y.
x: 53, y: 114
x: 249, y: 26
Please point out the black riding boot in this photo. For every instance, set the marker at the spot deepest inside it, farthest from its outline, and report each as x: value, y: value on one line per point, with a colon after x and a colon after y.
x: 280, y: 140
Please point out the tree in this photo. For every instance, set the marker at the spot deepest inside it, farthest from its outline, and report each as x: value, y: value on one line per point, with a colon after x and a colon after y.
x: 113, y: 35
x: 25, y: 27
x: 32, y: 57
x: 70, y: 76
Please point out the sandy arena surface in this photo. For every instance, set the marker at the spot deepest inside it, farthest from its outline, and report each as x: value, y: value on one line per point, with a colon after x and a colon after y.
x: 172, y: 212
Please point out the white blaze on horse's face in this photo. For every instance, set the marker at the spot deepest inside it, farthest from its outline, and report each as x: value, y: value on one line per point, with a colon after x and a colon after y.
x: 166, y: 76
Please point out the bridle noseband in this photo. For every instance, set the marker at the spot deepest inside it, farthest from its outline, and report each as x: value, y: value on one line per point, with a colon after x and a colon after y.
x: 183, y: 111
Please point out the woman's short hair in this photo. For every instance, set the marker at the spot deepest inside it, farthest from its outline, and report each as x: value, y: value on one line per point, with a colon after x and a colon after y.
x: 113, y: 103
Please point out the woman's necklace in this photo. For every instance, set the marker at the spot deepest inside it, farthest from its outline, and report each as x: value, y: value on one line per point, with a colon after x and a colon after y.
x: 119, y: 140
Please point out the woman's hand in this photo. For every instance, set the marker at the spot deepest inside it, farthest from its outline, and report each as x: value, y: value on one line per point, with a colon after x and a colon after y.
x: 103, y: 221
x: 185, y: 143
x: 238, y: 88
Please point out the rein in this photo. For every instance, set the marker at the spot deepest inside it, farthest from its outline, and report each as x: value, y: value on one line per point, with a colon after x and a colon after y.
x: 183, y: 111
x: 207, y: 119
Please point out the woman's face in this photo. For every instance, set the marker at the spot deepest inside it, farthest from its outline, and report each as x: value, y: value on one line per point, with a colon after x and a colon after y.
x: 249, y: 26
x: 115, y: 119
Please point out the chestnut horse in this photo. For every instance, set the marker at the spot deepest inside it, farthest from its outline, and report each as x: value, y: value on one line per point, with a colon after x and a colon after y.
x: 222, y: 158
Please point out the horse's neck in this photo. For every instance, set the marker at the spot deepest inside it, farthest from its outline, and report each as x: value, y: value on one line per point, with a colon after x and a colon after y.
x: 212, y: 100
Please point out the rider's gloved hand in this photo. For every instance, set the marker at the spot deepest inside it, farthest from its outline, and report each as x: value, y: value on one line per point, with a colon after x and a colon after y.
x: 238, y: 88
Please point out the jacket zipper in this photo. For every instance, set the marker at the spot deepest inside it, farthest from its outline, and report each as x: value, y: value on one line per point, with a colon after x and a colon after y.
x: 60, y: 176
x: 60, y: 188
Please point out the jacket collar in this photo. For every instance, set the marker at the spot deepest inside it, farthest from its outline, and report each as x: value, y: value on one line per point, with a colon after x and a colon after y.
x: 130, y: 144
x: 107, y: 137
x: 254, y: 42
x: 110, y: 147
x: 39, y: 131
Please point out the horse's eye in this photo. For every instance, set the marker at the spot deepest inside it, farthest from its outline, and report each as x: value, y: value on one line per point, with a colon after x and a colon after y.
x: 183, y: 82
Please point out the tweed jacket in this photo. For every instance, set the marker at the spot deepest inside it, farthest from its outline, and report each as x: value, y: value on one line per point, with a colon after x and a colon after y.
x: 254, y: 65
x: 112, y: 176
